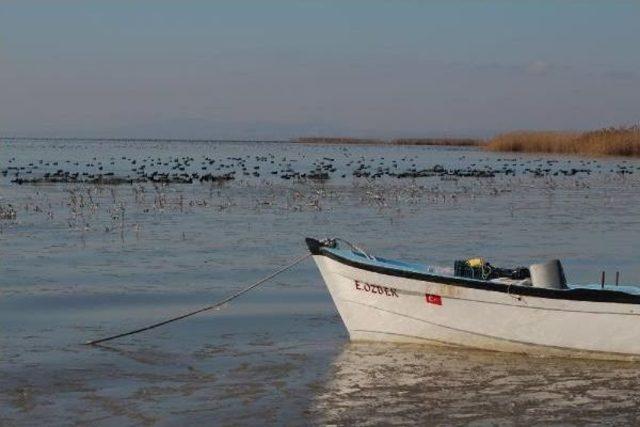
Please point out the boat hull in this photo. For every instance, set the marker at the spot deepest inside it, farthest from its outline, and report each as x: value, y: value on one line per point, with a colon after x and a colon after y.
x: 375, y: 306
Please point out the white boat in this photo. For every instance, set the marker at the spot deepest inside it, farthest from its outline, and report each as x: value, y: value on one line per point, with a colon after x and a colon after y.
x: 380, y: 299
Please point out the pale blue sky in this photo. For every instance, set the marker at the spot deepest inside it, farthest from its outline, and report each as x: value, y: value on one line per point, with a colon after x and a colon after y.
x: 286, y: 68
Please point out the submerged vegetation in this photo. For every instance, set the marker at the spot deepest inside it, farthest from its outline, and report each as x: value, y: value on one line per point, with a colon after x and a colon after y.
x: 7, y: 212
x: 620, y: 141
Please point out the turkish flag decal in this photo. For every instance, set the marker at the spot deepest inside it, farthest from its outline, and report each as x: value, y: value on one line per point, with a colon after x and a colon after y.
x: 433, y: 299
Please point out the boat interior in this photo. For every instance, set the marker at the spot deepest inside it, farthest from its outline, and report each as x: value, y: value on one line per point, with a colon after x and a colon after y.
x: 476, y: 269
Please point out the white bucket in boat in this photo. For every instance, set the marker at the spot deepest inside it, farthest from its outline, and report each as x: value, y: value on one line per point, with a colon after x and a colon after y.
x: 548, y: 275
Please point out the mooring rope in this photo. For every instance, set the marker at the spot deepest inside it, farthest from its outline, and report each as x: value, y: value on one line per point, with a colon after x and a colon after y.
x: 210, y: 307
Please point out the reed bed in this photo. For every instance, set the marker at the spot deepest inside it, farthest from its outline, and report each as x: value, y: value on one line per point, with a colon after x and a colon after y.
x: 620, y: 141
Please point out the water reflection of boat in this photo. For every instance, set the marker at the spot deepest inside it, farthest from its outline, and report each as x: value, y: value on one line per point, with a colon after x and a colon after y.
x: 387, y: 300
x: 382, y: 384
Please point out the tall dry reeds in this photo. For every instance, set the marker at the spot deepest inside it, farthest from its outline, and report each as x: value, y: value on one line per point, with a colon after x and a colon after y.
x: 620, y: 141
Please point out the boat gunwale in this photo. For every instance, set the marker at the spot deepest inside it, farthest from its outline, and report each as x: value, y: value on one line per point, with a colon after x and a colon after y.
x: 575, y: 294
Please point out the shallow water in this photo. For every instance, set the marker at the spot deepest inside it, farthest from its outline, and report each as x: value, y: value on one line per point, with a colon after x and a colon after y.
x: 82, y: 261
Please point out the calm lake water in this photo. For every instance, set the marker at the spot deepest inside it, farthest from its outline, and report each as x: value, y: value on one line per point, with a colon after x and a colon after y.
x: 81, y: 261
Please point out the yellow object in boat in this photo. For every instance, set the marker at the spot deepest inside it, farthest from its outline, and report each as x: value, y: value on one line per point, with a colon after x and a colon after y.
x: 475, y: 262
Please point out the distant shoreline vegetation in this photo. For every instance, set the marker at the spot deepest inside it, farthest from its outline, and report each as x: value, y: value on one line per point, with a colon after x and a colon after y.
x: 460, y: 142
x: 614, y: 141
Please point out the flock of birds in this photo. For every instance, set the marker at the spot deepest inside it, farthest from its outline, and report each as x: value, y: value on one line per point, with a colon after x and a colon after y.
x: 188, y: 169
x: 382, y: 178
